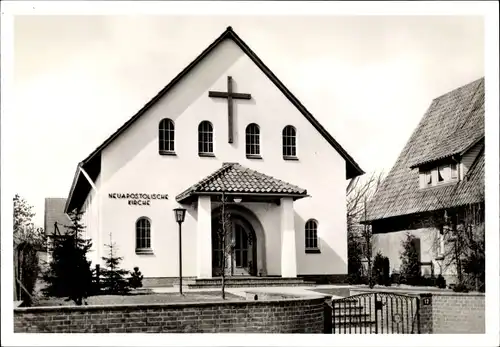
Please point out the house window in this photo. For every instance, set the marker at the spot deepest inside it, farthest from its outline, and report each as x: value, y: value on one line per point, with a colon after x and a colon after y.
x: 253, y: 140
x: 166, y: 136
x: 205, y: 139
x: 289, y: 142
x: 143, y: 235
x: 443, y: 173
x: 428, y: 178
x: 447, y: 173
x: 454, y: 171
x: 312, y: 236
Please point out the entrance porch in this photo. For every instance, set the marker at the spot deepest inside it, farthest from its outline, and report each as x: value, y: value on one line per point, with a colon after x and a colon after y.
x: 230, y: 236
x: 248, y: 282
x: 234, y: 249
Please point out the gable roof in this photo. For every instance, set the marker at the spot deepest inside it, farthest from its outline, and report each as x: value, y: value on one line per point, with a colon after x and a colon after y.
x: 453, y: 123
x: 233, y: 178
x: 54, y: 212
x: 80, y: 187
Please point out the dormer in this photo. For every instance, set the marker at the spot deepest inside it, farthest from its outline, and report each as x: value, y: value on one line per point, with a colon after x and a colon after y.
x: 448, y: 170
x: 440, y: 173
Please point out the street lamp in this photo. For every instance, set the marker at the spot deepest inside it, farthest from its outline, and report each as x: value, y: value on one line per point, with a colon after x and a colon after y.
x: 180, y: 214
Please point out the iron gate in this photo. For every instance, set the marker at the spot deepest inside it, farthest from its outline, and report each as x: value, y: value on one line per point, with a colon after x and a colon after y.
x: 376, y: 313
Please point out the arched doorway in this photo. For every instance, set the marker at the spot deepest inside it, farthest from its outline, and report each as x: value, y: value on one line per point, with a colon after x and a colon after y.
x: 241, y: 247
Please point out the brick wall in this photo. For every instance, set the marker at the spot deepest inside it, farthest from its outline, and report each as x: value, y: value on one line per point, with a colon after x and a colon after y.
x: 445, y: 312
x: 458, y: 313
x: 296, y: 315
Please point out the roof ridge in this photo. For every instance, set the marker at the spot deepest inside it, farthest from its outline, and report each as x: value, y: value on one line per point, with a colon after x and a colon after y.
x: 464, y: 86
x: 229, y: 33
x: 212, y: 176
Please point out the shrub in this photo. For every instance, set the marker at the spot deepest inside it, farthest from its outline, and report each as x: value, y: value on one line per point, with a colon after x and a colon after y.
x: 410, y: 261
x: 354, y: 257
x: 441, y: 282
x: 135, y: 279
x: 426, y: 281
x: 378, y: 268
x: 381, y: 270
x: 395, y: 278
x: 386, y: 270
x: 460, y: 288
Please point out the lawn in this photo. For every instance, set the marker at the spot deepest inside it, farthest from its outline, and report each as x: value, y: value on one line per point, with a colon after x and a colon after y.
x: 143, y: 298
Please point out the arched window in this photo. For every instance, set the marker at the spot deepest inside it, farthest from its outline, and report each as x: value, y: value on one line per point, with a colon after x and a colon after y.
x: 166, y: 136
x: 312, y: 236
x: 289, y: 142
x: 253, y: 140
x: 205, y: 139
x: 143, y: 234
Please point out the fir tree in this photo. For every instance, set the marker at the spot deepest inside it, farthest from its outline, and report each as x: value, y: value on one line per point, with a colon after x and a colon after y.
x: 69, y: 274
x: 114, y: 281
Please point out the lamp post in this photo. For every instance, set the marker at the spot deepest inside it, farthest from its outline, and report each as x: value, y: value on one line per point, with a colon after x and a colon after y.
x: 180, y: 214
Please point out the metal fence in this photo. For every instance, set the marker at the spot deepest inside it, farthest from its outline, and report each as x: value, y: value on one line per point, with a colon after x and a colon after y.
x: 376, y: 313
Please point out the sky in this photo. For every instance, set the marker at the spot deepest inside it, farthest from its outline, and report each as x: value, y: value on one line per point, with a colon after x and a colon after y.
x: 367, y: 79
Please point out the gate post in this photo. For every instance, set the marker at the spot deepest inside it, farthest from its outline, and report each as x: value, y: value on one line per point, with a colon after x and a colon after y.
x: 327, y: 316
x: 376, y: 313
x: 424, y: 314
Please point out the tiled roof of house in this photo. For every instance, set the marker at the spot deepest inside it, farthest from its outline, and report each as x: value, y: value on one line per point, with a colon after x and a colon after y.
x: 54, y: 212
x: 234, y: 178
x: 453, y: 123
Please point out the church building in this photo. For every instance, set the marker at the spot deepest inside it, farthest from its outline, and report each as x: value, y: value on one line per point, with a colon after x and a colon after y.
x: 225, y: 126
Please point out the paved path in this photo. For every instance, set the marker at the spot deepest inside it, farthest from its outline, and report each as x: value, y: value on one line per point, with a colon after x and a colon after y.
x: 240, y: 291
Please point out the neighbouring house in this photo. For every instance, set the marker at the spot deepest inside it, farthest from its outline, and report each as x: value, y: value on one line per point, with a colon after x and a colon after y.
x: 54, y: 222
x: 224, y: 124
x: 438, y: 176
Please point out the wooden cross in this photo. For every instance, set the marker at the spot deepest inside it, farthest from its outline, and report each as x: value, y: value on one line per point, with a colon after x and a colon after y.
x: 229, y: 95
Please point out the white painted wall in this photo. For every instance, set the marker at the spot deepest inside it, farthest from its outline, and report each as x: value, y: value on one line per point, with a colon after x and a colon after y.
x: 389, y: 244
x: 131, y: 163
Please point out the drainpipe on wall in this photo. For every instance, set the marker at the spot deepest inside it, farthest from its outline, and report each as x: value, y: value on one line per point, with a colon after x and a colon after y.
x: 98, y: 200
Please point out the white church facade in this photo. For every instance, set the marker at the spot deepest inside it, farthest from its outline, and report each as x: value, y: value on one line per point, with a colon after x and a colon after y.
x: 224, y: 124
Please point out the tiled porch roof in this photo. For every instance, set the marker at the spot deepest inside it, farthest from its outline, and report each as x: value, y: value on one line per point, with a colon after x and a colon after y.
x: 233, y: 178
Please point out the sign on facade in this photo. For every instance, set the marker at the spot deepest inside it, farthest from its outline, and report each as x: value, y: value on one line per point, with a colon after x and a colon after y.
x: 138, y: 199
